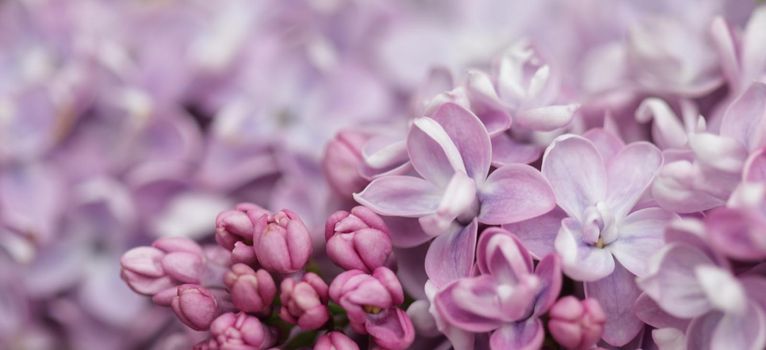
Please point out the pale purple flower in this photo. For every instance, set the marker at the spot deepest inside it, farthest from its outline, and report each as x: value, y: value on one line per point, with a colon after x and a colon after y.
x: 743, y: 55
x: 451, y: 152
x: 304, y: 301
x: 576, y: 324
x: 689, y: 281
x: 335, y: 341
x: 597, y: 181
x: 358, y: 240
x: 281, y: 242
x: 507, y: 297
x: 251, y: 291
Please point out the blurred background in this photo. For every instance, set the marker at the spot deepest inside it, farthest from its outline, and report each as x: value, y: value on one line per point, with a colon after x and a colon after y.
x: 124, y: 121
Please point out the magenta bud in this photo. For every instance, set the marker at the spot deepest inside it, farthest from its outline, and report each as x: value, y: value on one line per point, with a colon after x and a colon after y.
x: 250, y: 291
x: 335, y: 341
x: 232, y: 226
x: 195, y: 306
x: 238, y: 331
x: 167, y: 263
x: 282, y: 243
x: 363, y: 295
x: 358, y: 240
x: 576, y: 324
x: 243, y: 254
x: 341, y: 160
x: 304, y: 302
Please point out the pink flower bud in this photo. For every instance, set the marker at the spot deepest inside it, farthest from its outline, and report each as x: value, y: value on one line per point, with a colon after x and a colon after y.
x: 250, y: 291
x: 335, y: 341
x: 237, y: 331
x: 167, y: 263
x: 358, y: 240
x: 341, y: 160
x: 282, y: 243
x: 363, y: 295
x: 576, y: 324
x: 391, y: 329
x: 237, y: 225
x: 304, y: 302
x: 243, y: 254
x: 195, y: 306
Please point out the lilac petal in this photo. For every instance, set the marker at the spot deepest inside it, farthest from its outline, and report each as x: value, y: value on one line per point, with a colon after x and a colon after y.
x: 433, y: 154
x: 485, y: 103
x: 616, y: 294
x: 581, y: 262
x: 755, y: 166
x: 538, y: 234
x: 672, y: 281
x: 549, y: 271
x: 652, y: 314
x: 718, y: 152
x: 736, y: 234
x: 398, y: 195
x: 576, y: 173
x: 546, y: 118
x: 501, y: 255
x: 451, y: 255
x: 743, y: 120
x: 469, y: 135
x: 640, y: 237
x: 667, y: 130
x: 606, y: 142
x: 406, y: 232
x: 525, y: 335
x: 414, y: 277
x: 630, y: 173
x: 746, y: 331
x: 699, y: 335
x: 471, y: 304
x: 459, y: 197
x: 514, y: 193
x: 726, y: 43
x: 754, y: 44
x: 506, y: 150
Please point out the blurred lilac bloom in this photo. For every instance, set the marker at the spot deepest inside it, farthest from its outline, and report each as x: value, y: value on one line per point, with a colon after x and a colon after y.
x: 743, y: 55
x: 507, y: 297
x: 736, y: 230
x: 689, y: 282
x: 167, y: 263
x: 704, y: 176
x: 597, y: 182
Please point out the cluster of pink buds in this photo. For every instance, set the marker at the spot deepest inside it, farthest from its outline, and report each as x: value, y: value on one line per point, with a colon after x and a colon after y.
x: 253, y: 290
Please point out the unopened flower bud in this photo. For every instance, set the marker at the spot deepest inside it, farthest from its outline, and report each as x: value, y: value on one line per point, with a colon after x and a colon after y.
x: 304, y: 302
x: 335, y: 341
x: 237, y: 331
x: 361, y: 294
x: 358, y: 240
x: 195, y: 306
x: 576, y: 324
x: 282, y: 243
x: 250, y: 291
x: 341, y: 160
x: 237, y: 225
x: 167, y: 263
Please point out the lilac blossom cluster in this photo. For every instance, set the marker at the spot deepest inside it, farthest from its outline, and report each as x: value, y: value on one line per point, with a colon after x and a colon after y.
x: 491, y: 174
x: 253, y: 291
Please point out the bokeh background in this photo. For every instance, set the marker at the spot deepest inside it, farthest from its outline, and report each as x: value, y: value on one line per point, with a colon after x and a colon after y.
x: 124, y: 121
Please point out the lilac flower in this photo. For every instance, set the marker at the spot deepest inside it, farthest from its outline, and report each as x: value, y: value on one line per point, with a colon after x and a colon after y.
x: 342, y: 159
x: 743, y: 58
x: 304, y: 302
x: 597, y: 183
x: 576, y: 324
x: 358, y: 240
x: 251, y: 291
x: 451, y: 152
x: 507, y: 297
x: 167, y: 263
x: 281, y: 242
x: 688, y: 281
x: 195, y: 306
